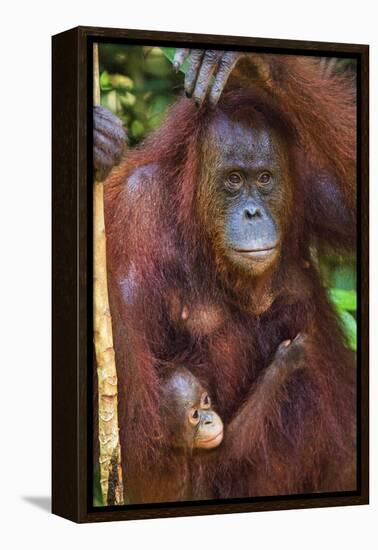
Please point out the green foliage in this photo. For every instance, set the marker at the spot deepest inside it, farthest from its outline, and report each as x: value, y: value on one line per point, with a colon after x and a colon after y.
x: 350, y: 327
x: 346, y: 66
x: 97, y: 493
x: 345, y: 302
x: 170, y: 54
x: 138, y: 85
x: 339, y: 275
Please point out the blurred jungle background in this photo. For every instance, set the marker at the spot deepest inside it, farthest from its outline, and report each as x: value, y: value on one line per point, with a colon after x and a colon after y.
x: 138, y: 85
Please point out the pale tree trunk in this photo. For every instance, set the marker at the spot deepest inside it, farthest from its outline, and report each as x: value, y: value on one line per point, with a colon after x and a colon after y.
x: 110, y: 449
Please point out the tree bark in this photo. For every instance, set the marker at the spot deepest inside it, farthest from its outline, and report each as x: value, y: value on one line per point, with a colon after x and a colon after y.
x: 108, y: 430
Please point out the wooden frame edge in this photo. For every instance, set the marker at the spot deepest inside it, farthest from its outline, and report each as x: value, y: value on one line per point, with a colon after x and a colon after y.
x: 70, y: 285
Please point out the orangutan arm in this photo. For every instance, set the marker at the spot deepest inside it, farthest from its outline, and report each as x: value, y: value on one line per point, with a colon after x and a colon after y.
x: 263, y: 407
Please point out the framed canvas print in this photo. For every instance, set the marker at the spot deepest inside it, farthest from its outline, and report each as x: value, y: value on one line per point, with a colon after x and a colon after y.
x: 210, y: 274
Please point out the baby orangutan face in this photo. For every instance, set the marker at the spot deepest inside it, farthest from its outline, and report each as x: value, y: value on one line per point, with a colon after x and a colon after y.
x: 187, y: 414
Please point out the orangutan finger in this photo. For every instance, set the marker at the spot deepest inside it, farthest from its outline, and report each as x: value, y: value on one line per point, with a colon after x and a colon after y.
x: 192, y: 72
x: 180, y: 55
x: 226, y: 65
x: 208, y: 65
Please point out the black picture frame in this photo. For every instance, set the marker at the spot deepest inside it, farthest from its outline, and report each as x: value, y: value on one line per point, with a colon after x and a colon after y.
x: 72, y: 355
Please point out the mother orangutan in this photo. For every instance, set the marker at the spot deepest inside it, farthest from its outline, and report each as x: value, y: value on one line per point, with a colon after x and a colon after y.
x: 210, y: 226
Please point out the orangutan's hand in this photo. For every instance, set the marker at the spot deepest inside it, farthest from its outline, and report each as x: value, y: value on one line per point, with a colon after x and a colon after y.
x: 205, y: 64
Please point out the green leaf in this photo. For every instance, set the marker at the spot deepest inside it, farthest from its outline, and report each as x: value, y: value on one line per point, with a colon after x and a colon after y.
x: 170, y: 54
x: 105, y: 83
x: 350, y: 328
x: 344, y: 276
x: 127, y: 99
x: 345, y: 300
x: 158, y: 106
x: 121, y: 82
x: 137, y: 129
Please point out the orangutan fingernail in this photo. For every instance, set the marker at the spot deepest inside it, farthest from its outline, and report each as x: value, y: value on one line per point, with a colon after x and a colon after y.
x: 185, y: 313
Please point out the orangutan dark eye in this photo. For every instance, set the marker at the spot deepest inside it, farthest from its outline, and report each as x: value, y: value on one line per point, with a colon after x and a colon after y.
x: 264, y: 178
x: 234, y: 181
x: 194, y: 417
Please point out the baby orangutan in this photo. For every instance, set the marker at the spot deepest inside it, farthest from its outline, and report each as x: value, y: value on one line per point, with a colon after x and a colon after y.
x: 193, y: 431
x: 187, y: 414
